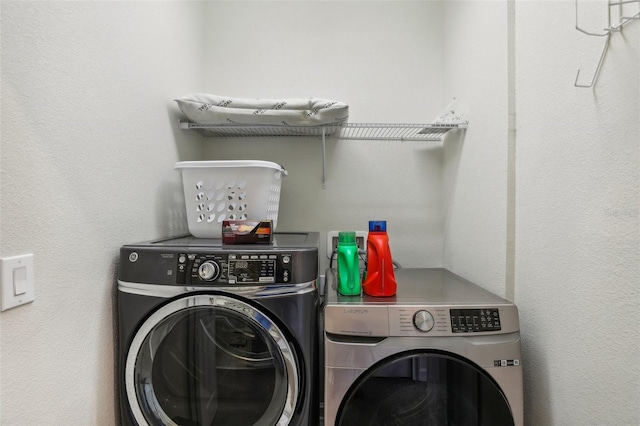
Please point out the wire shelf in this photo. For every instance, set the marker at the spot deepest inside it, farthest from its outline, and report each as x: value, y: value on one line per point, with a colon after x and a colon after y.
x: 348, y: 131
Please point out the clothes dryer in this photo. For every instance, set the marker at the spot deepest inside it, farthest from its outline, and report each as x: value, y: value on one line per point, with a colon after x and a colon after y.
x: 442, y: 351
x: 214, y: 334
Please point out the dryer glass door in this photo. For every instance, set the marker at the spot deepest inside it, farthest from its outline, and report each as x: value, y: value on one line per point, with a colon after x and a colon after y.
x: 424, y: 388
x: 211, y: 360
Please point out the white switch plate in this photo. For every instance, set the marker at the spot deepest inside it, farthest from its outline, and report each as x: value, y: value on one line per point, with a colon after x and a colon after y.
x: 17, y: 277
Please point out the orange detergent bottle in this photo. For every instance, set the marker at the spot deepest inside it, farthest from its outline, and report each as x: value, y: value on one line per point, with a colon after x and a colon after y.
x: 380, y: 279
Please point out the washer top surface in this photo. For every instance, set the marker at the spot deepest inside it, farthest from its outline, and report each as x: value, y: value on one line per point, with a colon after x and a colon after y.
x: 428, y: 302
x: 286, y: 240
x: 429, y: 286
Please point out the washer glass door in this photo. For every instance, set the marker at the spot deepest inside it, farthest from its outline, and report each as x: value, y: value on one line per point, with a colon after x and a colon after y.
x: 424, y: 388
x: 211, y: 360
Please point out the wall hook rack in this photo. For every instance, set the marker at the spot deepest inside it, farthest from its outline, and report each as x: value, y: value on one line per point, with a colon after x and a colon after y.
x: 622, y: 20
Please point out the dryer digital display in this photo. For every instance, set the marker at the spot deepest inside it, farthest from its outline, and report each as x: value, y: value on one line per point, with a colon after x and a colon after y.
x: 252, y: 271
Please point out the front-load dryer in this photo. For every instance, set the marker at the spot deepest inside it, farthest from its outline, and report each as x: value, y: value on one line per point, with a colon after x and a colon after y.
x: 442, y: 351
x: 214, y: 334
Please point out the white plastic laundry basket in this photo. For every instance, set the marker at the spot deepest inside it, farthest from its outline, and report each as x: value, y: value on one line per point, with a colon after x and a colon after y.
x: 215, y: 191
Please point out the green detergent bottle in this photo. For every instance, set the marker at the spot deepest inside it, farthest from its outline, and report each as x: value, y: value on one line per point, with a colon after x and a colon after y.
x: 348, y: 265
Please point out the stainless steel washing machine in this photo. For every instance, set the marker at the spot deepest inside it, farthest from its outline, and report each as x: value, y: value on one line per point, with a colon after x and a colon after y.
x: 442, y: 351
x: 214, y: 334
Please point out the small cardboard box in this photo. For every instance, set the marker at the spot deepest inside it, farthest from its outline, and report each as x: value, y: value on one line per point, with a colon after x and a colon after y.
x: 247, y: 232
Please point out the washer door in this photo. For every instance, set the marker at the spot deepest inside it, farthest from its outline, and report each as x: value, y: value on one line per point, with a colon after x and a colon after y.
x: 211, y: 360
x: 424, y: 388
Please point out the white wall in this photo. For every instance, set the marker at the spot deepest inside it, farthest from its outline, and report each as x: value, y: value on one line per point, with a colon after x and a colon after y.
x: 577, y: 226
x: 382, y: 58
x: 391, y: 62
x: 475, y: 166
x: 88, y: 148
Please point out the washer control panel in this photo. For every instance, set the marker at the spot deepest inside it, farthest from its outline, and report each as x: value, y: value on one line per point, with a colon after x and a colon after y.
x: 422, y: 321
x: 234, y: 268
x: 475, y: 320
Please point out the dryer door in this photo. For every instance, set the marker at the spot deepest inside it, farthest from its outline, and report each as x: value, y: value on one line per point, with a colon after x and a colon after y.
x: 424, y: 388
x: 211, y: 360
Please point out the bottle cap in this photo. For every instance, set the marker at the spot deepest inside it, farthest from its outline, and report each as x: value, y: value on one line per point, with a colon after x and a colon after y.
x: 347, y: 237
x: 377, y: 226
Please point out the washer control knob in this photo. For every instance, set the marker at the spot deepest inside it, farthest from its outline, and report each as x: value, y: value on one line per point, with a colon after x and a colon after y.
x: 423, y: 321
x: 209, y: 270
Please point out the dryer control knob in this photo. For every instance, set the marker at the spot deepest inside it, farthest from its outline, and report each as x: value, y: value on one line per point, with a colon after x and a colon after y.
x: 423, y: 321
x: 209, y: 270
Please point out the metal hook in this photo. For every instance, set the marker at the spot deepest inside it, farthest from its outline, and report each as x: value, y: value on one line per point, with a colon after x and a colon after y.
x: 597, y: 71
x: 588, y: 32
x: 622, y: 21
x: 617, y: 3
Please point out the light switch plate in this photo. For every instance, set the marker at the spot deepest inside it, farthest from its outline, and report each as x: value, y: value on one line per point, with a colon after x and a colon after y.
x: 16, y: 273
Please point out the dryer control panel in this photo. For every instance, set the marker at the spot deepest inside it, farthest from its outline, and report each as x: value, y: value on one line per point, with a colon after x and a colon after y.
x: 291, y: 259
x: 234, y: 268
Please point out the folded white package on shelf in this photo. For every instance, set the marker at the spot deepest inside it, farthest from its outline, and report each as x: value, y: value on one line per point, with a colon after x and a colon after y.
x: 454, y: 113
x: 204, y: 108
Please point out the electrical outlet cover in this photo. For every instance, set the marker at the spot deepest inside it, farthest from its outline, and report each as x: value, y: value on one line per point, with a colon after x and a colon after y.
x: 332, y: 241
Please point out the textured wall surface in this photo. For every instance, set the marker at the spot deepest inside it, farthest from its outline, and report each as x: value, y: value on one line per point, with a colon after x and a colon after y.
x: 577, y: 209
x: 88, y: 150
x: 475, y: 167
x: 384, y: 60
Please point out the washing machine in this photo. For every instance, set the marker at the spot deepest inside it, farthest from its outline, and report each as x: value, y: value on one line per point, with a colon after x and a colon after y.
x: 215, y: 334
x: 442, y: 351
